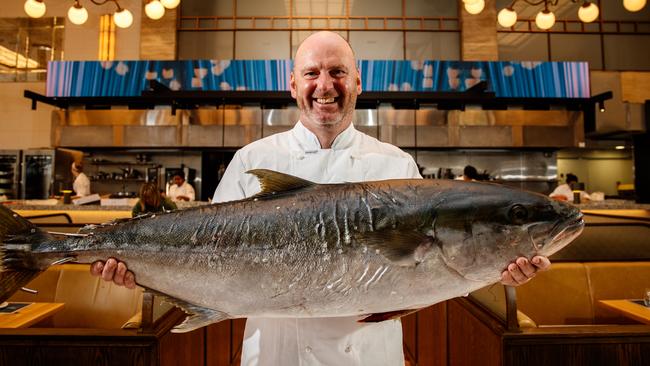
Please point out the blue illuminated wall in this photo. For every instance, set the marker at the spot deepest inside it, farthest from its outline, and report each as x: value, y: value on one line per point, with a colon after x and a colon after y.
x: 505, y: 78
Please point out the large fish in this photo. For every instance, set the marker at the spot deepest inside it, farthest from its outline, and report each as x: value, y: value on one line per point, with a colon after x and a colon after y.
x: 300, y: 249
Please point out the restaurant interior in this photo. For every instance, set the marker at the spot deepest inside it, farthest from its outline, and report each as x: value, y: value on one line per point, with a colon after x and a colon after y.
x: 139, y: 91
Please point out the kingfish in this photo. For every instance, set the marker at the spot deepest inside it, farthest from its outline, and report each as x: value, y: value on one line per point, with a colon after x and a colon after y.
x: 301, y: 249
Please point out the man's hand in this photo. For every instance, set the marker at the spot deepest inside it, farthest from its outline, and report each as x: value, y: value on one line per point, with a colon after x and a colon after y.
x: 114, y: 271
x: 522, y: 270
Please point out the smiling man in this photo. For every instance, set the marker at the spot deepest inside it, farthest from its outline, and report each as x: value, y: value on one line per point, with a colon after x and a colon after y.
x: 323, y: 147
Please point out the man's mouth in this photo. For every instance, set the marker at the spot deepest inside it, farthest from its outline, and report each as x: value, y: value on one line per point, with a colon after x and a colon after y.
x: 325, y: 100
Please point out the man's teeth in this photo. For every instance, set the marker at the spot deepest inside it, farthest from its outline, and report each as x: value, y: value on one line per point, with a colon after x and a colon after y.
x: 325, y: 100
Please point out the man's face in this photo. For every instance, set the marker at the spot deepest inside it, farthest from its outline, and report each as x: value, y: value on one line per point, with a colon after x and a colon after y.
x: 325, y: 82
x: 178, y: 180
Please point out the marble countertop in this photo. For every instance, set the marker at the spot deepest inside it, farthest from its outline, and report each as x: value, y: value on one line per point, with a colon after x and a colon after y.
x: 56, y: 205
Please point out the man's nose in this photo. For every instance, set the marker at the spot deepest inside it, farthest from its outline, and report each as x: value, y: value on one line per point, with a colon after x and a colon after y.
x: 325, y: 82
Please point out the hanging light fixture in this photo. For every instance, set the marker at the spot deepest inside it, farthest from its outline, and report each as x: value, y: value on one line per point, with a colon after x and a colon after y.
x: 507, y: 17
x: 474, y: 6
x: 123, y: 18
x: 545, y: 19
x: 77, y: 13
x: 588, y: 12
x: 34, y: 8
x: 634, y: 5
x: 170, y: 4
x: 154, y: 9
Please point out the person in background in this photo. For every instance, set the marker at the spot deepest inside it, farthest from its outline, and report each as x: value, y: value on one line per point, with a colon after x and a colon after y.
x: 151, y: 200
x: 324, y: 147
x: 181, y: 190
x: 470, y: 174
x: 81, y: 183
x: 564, y: 192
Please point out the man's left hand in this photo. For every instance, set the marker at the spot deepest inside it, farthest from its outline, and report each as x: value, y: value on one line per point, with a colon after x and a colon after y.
x: 522, y: 270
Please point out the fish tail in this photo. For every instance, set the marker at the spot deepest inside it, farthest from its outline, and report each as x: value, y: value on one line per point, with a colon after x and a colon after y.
x: 18, y: 264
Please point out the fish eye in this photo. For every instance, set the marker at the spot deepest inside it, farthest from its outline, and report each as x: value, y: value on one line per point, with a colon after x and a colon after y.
x: 518, y: 214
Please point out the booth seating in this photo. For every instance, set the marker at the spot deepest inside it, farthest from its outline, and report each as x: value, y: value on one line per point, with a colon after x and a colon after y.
x: 89, y: 301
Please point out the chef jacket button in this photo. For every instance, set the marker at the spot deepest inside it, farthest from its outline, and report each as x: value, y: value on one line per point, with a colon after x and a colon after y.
x: 308, y: 349
x: 348, y: 349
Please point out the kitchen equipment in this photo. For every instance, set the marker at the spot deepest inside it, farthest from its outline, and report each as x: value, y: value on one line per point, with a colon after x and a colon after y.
x: 10, y: 173
x: 47, y: 172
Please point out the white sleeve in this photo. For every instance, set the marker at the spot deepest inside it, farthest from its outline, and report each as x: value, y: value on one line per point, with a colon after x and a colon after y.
x: 231, y: 186
x: 189, y: 192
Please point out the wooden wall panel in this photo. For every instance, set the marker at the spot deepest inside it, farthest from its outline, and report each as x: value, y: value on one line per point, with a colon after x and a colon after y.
x: 471, y: 342
x: 182, y: 348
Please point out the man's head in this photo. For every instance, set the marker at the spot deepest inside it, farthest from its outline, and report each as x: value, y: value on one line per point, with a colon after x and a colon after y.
x: 571, y: 178
x: 178, y: 179
x: 76, y: 168
x: 325, y: 82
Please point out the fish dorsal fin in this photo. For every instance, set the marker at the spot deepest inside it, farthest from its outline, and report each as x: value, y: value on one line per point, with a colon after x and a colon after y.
x: 273, y: 182
x: 403, y: 248
x: 197, y: 316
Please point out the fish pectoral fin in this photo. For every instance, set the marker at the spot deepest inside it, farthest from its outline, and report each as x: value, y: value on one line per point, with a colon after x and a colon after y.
x: 389, y: 315
x: 197, y: 316
x: 200, y: 317
x: 404, y: 248
x: 273, y: 182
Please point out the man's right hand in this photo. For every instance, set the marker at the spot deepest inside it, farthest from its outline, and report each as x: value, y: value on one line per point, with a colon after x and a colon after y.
x: 113, y: 270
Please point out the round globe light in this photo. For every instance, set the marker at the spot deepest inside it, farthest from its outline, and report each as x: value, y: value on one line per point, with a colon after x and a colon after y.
x: 545, y: 19
x: 154, y: 9
x: 34, y: 8
x: 588, y: 12
x: 170, y: 4
x: 77, y: 14
x: 634, y: 5
x: 123, y: 18
x: 507, y: 17
x: 476, y: 7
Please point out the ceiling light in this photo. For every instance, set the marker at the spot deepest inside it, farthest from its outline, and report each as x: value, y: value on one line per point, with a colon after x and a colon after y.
x: 634, y: 5
x: 475, y: 7
x: 123, y: 18
x: 588, y: 12
x: 170, y: 4
x: 507, y: 17
x: 34, y: 8
x: 77, y: 14
x: 545, y: 19
x: 154, y: 9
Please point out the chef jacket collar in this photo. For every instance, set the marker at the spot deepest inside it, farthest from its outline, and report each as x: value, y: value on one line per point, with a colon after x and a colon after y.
x: 308, y: 142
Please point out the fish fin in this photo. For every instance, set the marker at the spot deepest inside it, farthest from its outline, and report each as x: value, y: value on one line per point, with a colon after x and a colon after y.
x: 404, y: 248
x: 389, y: 315
x: 17, y: 264
x: 12, y: 281
x: 273, y: 182
x: 197, y: 316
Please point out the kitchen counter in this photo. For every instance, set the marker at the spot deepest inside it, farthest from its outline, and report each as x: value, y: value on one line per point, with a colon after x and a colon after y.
x: 613, y: 205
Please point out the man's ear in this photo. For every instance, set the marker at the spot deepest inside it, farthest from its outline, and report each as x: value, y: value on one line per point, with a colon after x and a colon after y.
x: 292, y: 85
x: 358, y: 81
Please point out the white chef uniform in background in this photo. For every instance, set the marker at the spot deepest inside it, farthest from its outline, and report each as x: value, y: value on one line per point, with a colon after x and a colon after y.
x: 184, y: 189
x: 353, y: 157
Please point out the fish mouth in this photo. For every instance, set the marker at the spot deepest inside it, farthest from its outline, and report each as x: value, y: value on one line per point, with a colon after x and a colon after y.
x: 561, y: 234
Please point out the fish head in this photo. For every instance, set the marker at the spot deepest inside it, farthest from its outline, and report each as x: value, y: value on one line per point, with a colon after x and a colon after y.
x: 482, y: 227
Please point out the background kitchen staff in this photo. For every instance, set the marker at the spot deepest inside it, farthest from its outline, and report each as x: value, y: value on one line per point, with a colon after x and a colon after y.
x: 323, y: 147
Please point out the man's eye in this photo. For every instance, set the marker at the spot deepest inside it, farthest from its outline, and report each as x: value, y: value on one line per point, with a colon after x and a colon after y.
x: 338, y: 73
x: 310, y: 74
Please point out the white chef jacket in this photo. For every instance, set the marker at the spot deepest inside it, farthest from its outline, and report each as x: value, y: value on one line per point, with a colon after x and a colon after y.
x: 185, y: 189
x: 81, y: 185
x: 565, y: 190
x: 353, y: 157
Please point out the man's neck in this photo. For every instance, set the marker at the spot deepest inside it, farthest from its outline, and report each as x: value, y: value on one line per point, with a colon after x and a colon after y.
x: 326, y: 135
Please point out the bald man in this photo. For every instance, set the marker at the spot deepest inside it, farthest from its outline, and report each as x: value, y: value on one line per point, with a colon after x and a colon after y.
x: 323, y: 147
